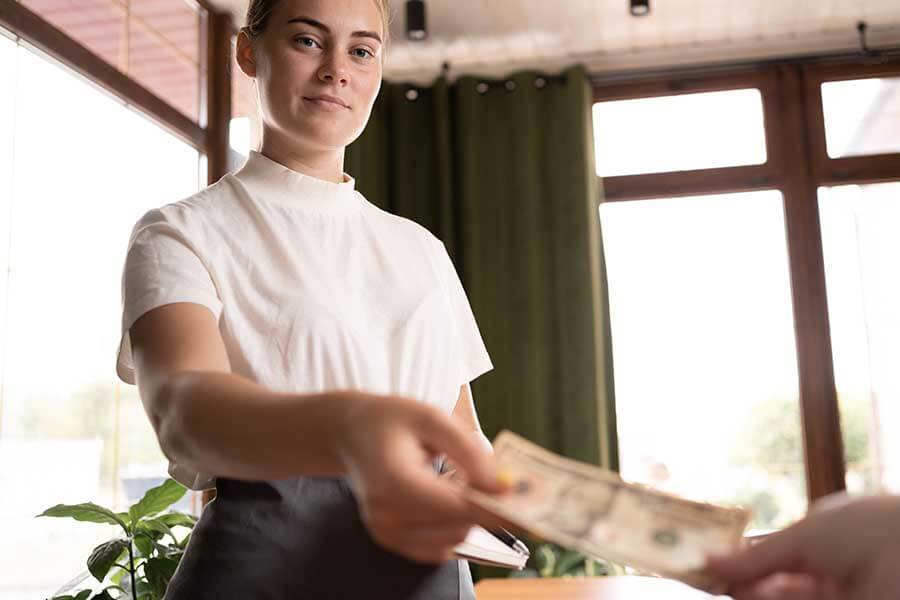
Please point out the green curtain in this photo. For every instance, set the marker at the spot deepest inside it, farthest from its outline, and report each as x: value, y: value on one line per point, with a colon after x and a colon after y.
x: 503, y: 173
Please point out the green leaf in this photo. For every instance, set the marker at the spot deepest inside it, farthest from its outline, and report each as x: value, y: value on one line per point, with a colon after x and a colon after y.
x: 144, y: 545
x: 159, y: 572
x: 157, y: 526
x: 104, y: 595
x: 157, y: 500
x: 103, y: 557
x: 568, y: 561
x: 178, y: 519
x: 143, y: 589
x: 88, y: 511
x: 545, y: 557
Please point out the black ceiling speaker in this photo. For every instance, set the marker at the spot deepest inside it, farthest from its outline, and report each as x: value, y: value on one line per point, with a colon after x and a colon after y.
x: 639, y: 8
x: 415, y: 20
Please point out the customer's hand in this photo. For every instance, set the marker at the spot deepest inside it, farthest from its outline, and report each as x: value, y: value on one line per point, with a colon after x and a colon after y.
x: 388, y: 447
x: 847, y: 549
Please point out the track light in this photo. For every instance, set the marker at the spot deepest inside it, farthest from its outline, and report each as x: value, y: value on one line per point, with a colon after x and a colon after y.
x: 640, y: 8
x: 415, y: 20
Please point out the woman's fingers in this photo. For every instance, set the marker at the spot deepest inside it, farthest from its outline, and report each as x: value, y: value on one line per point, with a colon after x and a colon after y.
x: 433, y: 543
x: 442, y: 435
x: 389, y: 451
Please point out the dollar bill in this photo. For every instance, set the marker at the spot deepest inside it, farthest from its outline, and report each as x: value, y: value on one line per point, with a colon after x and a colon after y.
x: 593, y: 510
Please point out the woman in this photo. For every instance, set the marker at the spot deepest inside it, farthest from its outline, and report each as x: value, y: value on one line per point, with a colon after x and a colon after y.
x: 306, y: 351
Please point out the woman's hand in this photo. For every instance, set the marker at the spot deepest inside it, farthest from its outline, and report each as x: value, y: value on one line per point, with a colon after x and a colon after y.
x: 388, y: 445
x: 449, y: 470
x: 847, y: 549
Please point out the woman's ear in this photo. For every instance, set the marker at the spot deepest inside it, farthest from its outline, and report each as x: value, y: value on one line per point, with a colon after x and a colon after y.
x: 244, y: 54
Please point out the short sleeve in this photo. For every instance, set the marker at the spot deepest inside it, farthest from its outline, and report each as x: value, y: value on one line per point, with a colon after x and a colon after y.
x: 162, y: 266
x: 474, y: 360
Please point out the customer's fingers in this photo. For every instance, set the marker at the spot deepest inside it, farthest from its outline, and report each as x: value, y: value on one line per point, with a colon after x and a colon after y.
x: 780, y: 552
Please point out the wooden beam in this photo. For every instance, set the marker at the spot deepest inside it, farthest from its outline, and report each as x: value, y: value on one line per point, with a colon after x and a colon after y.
x: 875, y: 168
x: 59, y: 46
x: 689, y: 183
x: 819, y: 411
x: 668, y: 85
x: 218, y: 94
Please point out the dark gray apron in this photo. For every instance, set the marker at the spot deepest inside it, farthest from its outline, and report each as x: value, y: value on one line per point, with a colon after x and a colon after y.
x: 300, y: 538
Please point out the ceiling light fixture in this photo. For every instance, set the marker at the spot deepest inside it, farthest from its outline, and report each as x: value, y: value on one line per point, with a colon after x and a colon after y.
x: 640, y: 8
x: 415, y: 20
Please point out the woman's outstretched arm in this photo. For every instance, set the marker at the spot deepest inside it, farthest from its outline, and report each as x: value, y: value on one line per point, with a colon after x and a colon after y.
x: 214, y: 421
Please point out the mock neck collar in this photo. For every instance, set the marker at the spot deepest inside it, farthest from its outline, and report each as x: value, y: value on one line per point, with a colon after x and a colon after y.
x: 271, y: 181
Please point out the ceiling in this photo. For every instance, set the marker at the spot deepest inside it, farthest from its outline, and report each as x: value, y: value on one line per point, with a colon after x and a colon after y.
x: 496, y: 37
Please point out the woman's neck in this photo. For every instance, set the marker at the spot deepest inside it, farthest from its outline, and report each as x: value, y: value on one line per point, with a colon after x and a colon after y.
x: 327, y: 165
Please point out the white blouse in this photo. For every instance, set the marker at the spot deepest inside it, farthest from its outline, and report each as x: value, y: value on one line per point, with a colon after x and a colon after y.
x: 314, y: 289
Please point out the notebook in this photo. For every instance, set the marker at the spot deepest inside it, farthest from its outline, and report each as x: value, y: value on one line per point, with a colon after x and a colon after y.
x: 483, y: 547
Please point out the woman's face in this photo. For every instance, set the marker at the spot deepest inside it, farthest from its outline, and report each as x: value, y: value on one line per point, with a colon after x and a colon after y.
x: 312, y: 50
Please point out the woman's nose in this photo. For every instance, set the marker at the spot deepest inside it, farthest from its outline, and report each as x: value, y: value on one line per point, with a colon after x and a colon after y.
x: 334, y: 70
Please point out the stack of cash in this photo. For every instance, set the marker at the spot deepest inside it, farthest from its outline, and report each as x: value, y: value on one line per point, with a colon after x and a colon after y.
x: 594, y: 511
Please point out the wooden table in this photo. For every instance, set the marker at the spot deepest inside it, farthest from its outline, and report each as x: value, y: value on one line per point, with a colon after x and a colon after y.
x: 630, y: 587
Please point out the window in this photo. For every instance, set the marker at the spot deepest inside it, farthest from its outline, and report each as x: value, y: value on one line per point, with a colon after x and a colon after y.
x: 798, y: 233
x: 705, y: 365
x: 156, y: 42
x: 649, y: 135
x: 69, y: 432
x: 862, y: 262
x: 862, y: 116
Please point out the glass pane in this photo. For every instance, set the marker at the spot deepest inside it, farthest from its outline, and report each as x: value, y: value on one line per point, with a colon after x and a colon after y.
x: 679, y: 133
x: 162, y: 66
x: 77, y: 192
x: 99, y: 25
x: 7, y: 133
x: 862, y: 268
x: 862, y: 116
x: 163, y: 39
x: 239, y: 135
x: 703, y: 342
x: 174, y: 21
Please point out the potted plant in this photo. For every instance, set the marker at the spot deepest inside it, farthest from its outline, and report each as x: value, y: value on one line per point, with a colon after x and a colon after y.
x: 138, y: 564
x: 550, y: 560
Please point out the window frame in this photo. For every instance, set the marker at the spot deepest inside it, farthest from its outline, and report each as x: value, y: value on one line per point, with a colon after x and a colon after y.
x: 209, y: 134
x: 792, y: 116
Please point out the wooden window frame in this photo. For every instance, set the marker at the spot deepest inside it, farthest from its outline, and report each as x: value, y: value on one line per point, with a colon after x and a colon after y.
x: 209, y: 136
x: 796, y: 164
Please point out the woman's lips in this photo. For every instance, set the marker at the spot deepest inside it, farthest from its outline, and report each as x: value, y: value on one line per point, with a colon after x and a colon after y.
x: 325, y: 104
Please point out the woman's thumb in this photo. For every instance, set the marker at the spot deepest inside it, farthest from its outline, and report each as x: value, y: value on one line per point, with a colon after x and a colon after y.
x: 444, y: 436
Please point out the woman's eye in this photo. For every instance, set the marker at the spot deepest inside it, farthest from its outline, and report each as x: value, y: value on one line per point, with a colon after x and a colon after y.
x: 306, y: 41
x: 363, y: 53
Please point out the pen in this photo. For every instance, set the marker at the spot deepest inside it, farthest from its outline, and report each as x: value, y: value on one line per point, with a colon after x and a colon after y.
x: 511, y: 541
